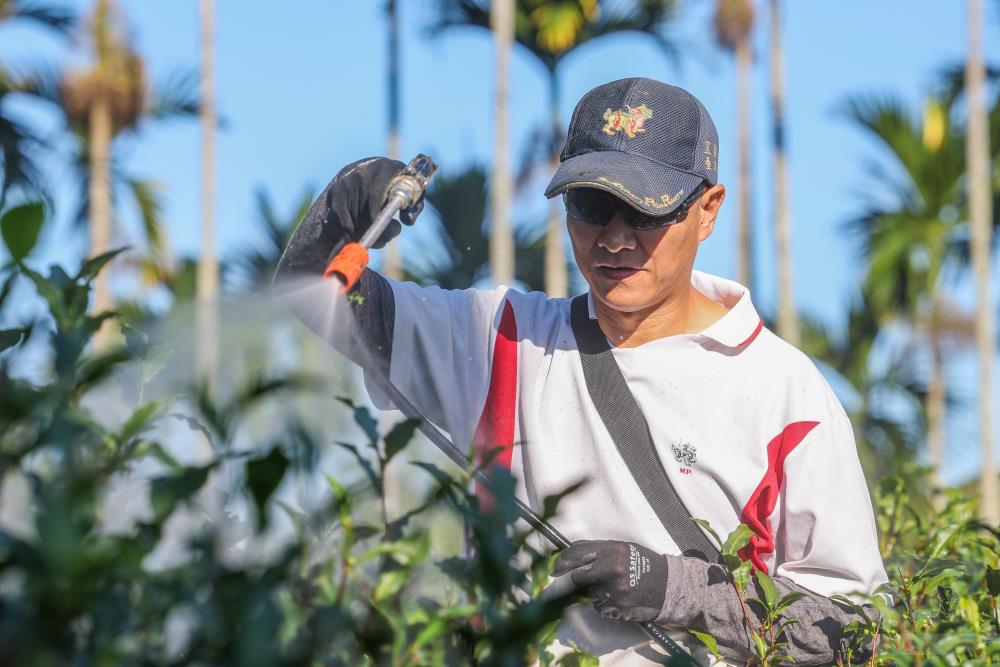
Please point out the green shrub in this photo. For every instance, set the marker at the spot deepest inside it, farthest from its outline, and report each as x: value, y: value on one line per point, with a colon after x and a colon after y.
x: 350, y: 587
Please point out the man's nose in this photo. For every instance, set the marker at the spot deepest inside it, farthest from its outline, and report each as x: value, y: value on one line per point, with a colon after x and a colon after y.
x: 617, y: 236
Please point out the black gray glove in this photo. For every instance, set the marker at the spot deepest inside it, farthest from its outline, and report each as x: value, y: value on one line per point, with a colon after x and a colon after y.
x: 623, y: 579
x: 342, y: 213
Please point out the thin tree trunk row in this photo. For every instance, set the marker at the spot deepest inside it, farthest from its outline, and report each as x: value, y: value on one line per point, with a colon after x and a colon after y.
x: 980, y: 204
x: 501, y: 235
x: 744, y: 256
x: 556, y: 278
x: 207, y: 343
x: 788, y: 325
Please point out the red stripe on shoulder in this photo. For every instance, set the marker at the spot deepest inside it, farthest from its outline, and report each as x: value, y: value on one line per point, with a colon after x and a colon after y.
x: 496, y: 424
x: 758, y: 509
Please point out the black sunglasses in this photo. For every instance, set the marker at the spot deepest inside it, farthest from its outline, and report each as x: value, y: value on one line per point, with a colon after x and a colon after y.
x: 598, y: 207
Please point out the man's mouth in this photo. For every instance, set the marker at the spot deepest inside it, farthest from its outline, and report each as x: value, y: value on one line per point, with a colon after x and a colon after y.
x: 617, y: 272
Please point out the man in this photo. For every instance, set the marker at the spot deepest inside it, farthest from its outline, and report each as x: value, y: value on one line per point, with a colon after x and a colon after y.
x: 746, y: 428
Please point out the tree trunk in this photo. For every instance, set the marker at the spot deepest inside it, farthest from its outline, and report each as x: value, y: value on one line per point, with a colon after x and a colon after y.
x: 391, y: 264
x: 744, y: 255
x: 501, y: 237
x: 935, y: 401
x: 556, y: 278
x: 977, y: 152
x: 100, y: 205
x: 788, y: 325
x: 207, y: 343
x: 99, y: 187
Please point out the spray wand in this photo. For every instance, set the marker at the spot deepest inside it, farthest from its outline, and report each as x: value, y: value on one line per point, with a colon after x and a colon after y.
x: 404, y: 191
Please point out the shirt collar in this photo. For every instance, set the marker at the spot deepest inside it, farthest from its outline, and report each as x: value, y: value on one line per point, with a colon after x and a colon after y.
x: 739, y: 326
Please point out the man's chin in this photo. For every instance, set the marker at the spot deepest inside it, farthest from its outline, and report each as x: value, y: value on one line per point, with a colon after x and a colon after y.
x: 620, y: 298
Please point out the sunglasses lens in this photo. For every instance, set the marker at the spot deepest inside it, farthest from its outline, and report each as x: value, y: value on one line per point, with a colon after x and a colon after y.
x: 598, y: 207
x: 591, y: 206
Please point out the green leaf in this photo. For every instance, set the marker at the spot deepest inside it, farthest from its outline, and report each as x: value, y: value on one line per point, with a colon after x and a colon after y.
x: 168, y: 492
x: 768, y: 588
x: 139, y: 420
x: 154, y: 361
x: 937, y: 566
x: 363, y: 418
x: 579, y: 659
x: 10, y: 337
x: 399, y: 437
x: 551, y: 503
x: 20, y: 226
x: 340, y: 492
x: 154, y: 449
x: 442, y: 478
x: 741, y: 575
x: 389, y: 584
x: 704, y: 524
x: 993, y: 581
x: 93, y: 266
x: 709, y: 641
x: 970, y: 612
x: 406, y: 552
x: 737, y: 539
x: 48, y: 290
x: 365, y: 530
x: 760, y: 645
x: 788, y: 600
x: 263, y: 477
x: 366, y: 466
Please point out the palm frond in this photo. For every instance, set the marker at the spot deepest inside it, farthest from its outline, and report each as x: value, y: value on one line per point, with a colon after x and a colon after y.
x: 18, y: 148
x: 147, y: 198
x: 460, y: 254
x: 175, y: 96
x: 55, y: 17
x: 253, y: 264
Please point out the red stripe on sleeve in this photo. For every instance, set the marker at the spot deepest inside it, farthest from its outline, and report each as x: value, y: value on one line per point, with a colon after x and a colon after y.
x: 496, y: 425
x: 758, y: 509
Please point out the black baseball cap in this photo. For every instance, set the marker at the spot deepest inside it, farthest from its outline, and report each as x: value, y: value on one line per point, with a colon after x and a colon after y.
x: 644, y: 141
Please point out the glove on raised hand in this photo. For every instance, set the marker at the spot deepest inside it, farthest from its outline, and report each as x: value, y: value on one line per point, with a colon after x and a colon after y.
x: 342, y: 213
x: 623, y: 579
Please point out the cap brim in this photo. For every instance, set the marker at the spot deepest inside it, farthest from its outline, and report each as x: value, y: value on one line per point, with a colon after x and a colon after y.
x: 647, y: 185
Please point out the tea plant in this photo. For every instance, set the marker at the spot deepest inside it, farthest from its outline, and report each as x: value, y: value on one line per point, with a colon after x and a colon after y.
x: 351, y: 586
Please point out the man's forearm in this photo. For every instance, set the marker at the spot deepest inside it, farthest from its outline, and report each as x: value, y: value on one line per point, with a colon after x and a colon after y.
x: 701, y: 597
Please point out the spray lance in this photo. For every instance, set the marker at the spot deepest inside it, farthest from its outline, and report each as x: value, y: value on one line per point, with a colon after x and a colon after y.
x: 346, y: 267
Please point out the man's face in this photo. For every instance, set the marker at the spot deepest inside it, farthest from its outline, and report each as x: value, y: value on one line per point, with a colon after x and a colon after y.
x: 633, y: 271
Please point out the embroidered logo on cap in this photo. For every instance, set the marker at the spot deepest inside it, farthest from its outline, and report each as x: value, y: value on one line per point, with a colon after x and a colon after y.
x: 628, y: 120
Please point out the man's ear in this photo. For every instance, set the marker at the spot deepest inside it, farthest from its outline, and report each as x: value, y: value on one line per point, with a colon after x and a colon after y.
x: 709, y: 205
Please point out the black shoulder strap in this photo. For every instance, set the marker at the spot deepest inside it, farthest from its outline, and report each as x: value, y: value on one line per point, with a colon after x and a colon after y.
x: 628, y: 428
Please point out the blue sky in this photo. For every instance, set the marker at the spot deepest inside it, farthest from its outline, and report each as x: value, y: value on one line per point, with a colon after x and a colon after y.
x: 302, y: 87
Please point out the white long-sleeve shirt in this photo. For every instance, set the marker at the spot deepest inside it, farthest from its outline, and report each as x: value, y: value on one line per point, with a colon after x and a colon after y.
x: 747, y: 429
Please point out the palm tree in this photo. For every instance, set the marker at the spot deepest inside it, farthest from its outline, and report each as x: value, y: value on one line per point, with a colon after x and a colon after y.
x: 18, y: 144
x: 251, y: 267
x: 733, y: 23
x: 501, y: 237
x: 550, y: 31
x: 104, y: 102
x: 788, y: 324
x: 977, y: 156
x: 911, y: 233
x: 463, y: 258
x: 206, y: 347
x: 885, y: 399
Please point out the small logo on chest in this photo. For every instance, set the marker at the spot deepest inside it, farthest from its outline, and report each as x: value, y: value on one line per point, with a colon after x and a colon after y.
x: 685, y: 454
